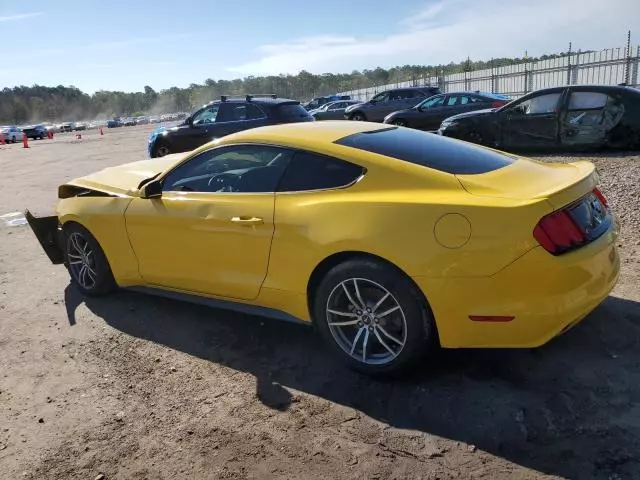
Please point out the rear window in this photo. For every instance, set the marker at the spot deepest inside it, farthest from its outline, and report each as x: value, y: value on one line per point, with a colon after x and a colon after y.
x: 428, y: 150
x: 291, y: 110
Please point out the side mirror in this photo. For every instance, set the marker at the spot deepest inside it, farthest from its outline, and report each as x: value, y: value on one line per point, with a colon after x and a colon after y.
x: 152, y: 189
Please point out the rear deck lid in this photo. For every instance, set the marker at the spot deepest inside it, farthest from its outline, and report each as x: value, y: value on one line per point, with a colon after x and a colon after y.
x: 559, y: 183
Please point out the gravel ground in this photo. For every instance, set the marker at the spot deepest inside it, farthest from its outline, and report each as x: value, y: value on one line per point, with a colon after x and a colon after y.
x: 133, y: 386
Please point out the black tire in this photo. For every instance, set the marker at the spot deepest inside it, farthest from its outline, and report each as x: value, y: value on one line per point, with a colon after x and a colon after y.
x: 102, y: 282
x: 400, y: 122
x: 420, y: 336
x: 358, y: 117
x: 160, y: 149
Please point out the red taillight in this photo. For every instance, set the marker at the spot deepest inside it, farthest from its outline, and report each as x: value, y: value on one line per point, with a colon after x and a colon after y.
x: 598, y: 193
x: 498, y: 103
x: 558, y: 232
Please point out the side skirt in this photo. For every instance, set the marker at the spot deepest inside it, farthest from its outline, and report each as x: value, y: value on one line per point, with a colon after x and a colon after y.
x: 221, y: 304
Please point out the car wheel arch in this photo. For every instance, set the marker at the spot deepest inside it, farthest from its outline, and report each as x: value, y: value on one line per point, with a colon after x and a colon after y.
x: 323, y: 268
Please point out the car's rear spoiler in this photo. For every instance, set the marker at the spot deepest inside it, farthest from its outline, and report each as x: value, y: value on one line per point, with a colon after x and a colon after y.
x: 49, y: 234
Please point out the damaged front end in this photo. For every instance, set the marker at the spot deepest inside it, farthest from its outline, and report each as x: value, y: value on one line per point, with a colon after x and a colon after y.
x: 49, y: 233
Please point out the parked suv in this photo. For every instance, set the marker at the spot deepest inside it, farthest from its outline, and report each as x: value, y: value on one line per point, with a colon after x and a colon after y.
x: 389, y: 101
x: 223, y: 117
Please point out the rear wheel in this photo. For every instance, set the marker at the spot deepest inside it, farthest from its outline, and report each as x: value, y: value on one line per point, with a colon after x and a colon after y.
x: 86, y: 262
x: 373, y: 317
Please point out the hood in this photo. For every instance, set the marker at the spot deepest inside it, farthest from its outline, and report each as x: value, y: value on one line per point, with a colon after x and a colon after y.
x: 475, y: 113
x: 123, y: 180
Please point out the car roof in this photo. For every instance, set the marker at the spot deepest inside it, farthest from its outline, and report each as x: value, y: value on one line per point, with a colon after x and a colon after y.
x: 261, y: 100
x: 301, y: 134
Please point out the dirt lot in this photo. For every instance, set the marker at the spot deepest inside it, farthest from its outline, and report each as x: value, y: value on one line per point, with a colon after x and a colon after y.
x: 132, y: 386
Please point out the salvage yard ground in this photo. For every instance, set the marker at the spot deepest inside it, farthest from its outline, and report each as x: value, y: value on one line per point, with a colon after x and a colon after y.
x: 133, y: 386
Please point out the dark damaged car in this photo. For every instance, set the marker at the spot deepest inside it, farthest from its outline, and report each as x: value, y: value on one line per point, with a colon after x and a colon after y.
x: 573, y: 117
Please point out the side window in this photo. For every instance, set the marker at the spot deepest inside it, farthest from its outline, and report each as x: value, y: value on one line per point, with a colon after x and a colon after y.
x: 453, y: 100
x: 309, y: 171
x: 540, y: 104
x: 437, y: 101
x: 587, y: 100
x: 206, y: 115
x: 234, y: 112
x: 381, y: 97
x: 236, y: 169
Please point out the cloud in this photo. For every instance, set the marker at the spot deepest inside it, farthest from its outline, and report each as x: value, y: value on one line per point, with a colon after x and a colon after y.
x: 20, y: 16
x: 446, y: 31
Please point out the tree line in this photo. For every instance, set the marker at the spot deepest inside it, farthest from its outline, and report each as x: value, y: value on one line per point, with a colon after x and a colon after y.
x: 39, y: 103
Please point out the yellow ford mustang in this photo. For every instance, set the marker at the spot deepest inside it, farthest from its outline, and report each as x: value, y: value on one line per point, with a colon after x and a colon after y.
x: 389, y: 240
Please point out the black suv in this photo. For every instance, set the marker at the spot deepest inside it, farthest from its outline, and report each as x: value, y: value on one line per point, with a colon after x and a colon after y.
x: 389, y: 101
x: 223, y: 117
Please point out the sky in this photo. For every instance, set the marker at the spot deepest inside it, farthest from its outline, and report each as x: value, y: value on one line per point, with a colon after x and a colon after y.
x: 125, y: 45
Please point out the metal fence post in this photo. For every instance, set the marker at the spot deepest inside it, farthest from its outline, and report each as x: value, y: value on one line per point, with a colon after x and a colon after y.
x: 634, y: 69
x: 569, y: 66
x: 627, y: 65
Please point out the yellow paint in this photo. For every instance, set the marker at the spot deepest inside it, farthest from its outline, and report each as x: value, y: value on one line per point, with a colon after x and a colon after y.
x: 484, y: 260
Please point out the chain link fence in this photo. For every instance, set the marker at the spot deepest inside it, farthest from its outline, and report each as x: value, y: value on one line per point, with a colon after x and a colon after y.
x: 609, y: 67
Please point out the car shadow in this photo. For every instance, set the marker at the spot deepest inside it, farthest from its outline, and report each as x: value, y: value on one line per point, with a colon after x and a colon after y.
x: 564, y: 409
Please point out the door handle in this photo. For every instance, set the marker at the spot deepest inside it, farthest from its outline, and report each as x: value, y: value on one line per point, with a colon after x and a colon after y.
x: 247, y: 220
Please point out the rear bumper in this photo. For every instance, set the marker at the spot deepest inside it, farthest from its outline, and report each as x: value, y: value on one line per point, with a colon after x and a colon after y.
x: 48, y: 232
x: 546, y: 295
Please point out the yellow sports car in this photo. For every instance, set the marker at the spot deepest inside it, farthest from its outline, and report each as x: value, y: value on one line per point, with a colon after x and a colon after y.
x: 389, y: 240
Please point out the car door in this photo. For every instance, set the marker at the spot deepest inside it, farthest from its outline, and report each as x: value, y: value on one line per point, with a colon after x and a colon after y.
x: 589, y: 117
x: 335, y: 111
x: 197, y: 130
x: 428, y: 112
x: 211, y: 229
x: 237, y: 116
x: 532, y: 122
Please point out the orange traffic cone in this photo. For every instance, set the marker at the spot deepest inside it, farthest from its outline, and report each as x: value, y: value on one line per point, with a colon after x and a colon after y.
x: 2, y: 142
x: 101, y: 132
x: 25, y: 141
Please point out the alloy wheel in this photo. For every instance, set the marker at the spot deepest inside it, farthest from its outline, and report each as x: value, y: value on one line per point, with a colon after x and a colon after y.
x: 400, y: 123
x: 81, y: 260
x: 366, y: 321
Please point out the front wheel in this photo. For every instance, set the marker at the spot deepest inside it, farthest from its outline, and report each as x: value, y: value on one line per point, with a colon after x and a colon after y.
x: 86, y: 262
x: 400, y: 122
x: 358, y: 117
x: 373, y: 317
x: 160, y: 150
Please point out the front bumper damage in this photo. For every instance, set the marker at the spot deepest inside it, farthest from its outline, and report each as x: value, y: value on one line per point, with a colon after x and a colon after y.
x: 48, y: 232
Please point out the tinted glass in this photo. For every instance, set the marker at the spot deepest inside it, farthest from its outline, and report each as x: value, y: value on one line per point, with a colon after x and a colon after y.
x: 243, y: 168
x: 538, y: 105
x: 308, y: 171
x: 587, y: 100
x: 206, y: 115
x: 433, y: 102
x: 428, y: 150
x: 381, y: 97
x: 291, y: 110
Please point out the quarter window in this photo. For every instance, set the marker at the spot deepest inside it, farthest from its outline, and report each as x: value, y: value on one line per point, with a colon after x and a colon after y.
x: 238, y: 169
x: 309, y: 171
